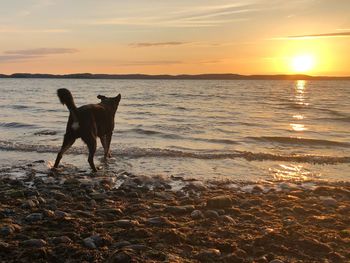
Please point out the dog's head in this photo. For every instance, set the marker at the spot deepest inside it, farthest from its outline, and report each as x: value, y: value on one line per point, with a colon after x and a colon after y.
x: 112, y: 102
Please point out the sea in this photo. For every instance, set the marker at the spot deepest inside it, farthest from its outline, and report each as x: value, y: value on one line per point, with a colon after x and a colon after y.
x: 245, y: 130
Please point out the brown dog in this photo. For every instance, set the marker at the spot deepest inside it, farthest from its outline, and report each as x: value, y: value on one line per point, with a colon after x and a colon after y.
x: 88, y: 122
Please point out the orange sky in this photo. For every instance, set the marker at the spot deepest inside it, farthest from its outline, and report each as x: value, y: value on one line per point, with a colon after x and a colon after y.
x: 174, y: 37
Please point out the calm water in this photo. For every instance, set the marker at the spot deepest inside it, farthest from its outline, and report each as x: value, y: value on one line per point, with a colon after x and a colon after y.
x: 245, y: 130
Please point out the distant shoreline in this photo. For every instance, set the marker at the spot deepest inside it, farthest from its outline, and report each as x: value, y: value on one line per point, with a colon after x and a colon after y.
x: 228, y: 76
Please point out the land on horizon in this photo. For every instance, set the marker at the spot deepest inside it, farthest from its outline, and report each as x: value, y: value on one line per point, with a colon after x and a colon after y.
x: 223, y: 76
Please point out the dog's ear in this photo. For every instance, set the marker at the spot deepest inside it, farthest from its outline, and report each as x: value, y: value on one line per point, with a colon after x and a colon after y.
x: 101, y: 97
x: 117, y: 98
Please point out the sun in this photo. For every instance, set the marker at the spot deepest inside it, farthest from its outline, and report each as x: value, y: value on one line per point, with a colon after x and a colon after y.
x: 303, y: 63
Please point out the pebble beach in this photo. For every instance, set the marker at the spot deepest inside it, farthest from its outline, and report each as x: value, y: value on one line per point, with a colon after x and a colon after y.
x: 71, y: 215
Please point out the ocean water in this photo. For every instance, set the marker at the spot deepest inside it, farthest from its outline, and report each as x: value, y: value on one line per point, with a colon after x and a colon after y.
x: 218, y: 129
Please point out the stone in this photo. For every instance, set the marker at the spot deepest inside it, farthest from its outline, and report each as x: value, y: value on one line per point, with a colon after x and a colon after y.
x: 197, y: 214
x: 61, y: 214
x: 329, y: 201
x: 121, y: 244
x: 9, y: 229
x: 211, y: 214
x: 276, y: 261
x: 210, y: 254
x: 227, y: 219
x: 99, y: 196
x: 89, y: 243
x: 126, y: 223
x: 110, y: 211
x: 38, y: 243
x: 120, y: 257
x: 4, y: 247
x: 219, y: 202
x: 61, y: 240
x: 28, y: 204
x: 178, y: 209
x: 160, y: 221
x: 34, y: 217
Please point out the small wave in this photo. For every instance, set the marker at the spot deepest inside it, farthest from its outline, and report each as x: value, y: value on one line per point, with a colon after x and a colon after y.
x: 341, y: 119
x: 150, y: 132
x: 19, y: 107
x: 135, y: 152
x: 304, y: 141
x: 45, y: 132
x: 16, y: 125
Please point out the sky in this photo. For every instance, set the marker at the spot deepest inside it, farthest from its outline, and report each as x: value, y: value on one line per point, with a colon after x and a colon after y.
x: 175, y: 37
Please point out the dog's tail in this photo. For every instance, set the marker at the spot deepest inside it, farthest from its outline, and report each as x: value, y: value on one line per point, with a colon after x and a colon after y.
x: 66, y: 98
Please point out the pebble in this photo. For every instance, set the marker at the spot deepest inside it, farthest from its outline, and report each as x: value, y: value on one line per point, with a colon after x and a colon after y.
x: 126, y: 223
x: 211, y: 214
x: 179, y: 209
x: 89, y: 242
x: 34, y: 243
x: 29, y: 204
x: 160, y: 221
x: 276, y: 261
x: 210, y: 254
x: 34, y: 217
x: 197, y: 214
x: 61, y: 240
x: 219, y: 202
x: 121, y: 244
x: 99, y: 196
x: 227, y: 219
x: 120, y: 257
x: 7, y: 230
x: 329, y: 201
x: 61, y: 214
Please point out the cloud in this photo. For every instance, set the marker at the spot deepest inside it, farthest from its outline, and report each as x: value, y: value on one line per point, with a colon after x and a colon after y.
x: 26, y: 30
x: 41, y: 51
x: 151, y: 63
x: 326, y: 35
x: 168, y: 62
x: 14, y: 58
x: 157, y: 44
x: 28, y: 54
x: 208, y: 16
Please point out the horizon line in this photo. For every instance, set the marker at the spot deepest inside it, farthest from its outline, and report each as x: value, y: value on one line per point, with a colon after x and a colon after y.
x: 184, y: 75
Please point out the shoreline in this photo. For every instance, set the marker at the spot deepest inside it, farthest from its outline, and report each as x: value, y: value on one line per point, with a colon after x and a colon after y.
x: 74, y: 216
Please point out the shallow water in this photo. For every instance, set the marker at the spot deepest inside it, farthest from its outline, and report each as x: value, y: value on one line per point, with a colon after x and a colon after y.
x: 242, y: 130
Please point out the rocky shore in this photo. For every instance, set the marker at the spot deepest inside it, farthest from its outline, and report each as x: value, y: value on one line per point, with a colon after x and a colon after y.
x: 74, y: 216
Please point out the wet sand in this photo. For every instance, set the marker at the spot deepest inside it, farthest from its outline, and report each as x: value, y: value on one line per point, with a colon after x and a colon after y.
x: 74, y: 216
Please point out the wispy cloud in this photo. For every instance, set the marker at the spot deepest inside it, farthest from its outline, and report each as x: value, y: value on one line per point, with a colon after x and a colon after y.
x: 29, y: 54
x: 168, y: 62
x: 325, y: 35
x: 14, y: 58
x: 32, y: 30
x: 157, y: 44
x: 41, y: 51
x: 208, y: 16
x: 151, y: 63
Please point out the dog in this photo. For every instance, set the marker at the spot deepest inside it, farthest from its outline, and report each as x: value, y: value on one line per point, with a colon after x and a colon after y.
x: 88, y: 122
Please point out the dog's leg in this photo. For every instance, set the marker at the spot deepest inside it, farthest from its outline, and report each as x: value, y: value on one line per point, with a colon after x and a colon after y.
x: 104, y: 144
x: 91, y: 143
x: 108, y: 144
x: 67, y: 143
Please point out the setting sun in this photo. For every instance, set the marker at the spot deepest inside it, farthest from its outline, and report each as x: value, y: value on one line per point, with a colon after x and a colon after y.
x: 303, y: 63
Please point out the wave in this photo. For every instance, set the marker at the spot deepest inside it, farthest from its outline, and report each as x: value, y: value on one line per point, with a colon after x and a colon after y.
x: 300, y: 141
x: 135, y: 152
x: 16, y: 125
x: 174, y: 136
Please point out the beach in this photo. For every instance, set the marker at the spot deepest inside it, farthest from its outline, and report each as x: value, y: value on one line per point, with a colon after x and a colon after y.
x: 72, y: 215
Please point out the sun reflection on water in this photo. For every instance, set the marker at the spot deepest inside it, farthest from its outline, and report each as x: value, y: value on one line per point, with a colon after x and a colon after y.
x: 300, y: 100
x: 292, y: 172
